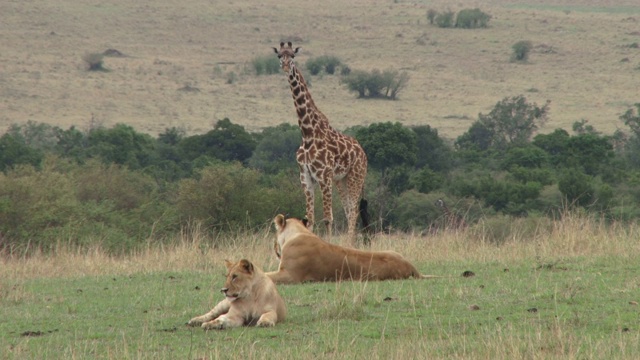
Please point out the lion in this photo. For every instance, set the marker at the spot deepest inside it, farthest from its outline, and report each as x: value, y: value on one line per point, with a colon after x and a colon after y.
x: 305, y: 257
x: 251, y: 298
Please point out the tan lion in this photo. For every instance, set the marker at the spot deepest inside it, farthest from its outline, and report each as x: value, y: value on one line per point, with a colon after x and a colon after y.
x: 251, y: 298
x: 306, y: 257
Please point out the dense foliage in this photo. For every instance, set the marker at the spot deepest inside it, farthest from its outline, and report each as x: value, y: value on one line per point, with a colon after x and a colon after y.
x: 121, y: 188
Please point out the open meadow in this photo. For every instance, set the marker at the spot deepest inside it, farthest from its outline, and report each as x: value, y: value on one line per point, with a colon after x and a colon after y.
x: 188, y: 63
x: 559, y: 290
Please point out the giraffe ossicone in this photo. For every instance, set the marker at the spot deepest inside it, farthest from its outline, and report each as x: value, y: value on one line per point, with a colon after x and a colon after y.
x: 326, y: 156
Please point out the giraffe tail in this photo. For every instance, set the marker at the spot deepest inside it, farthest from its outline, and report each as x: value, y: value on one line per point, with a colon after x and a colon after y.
x: 364, y: 216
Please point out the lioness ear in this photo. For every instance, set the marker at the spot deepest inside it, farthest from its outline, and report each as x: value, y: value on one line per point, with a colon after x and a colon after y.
x: 280, y: 222
x: 228, y: 264
x: 305, y: 222
x: 247, y: 265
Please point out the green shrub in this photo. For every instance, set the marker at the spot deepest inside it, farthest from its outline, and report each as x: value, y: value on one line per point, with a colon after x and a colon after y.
x: 14, y: 151
x: 426, y: 180
x: 577, y: 187
x: 356, y: 81
x: 431, y: 15
x: 388, y: 144
x: 229, y: 196
x: 511, y: 122
x: 414, y: 212
x: 320, y: 63
x: 227, y: 142
x: 265, y: 65
x: 94, y: 61
x: 472, y: 19
x: 521, y: 51
x: 78, y: 205
x: 276, y: 149
x: 376, y: 84
x: 445, y: 19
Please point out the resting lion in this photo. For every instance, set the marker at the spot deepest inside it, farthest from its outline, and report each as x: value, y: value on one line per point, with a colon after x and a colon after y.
x: 251, y: 298
x: 306, y: 257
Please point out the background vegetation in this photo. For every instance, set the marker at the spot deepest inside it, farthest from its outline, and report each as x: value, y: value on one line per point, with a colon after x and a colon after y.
x: 120, y: 188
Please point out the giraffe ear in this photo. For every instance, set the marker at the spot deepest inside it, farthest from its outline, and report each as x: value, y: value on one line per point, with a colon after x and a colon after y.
x: 275, y: 50
x: 296, y: 50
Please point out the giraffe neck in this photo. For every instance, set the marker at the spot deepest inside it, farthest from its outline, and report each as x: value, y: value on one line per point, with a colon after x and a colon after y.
x: 311, y: 121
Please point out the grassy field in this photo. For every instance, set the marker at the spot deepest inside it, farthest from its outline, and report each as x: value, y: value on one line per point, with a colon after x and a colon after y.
x: 584, y: 61
x: 567, y: 290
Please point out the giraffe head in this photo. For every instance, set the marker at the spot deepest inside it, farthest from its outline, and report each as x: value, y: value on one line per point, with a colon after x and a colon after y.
x: 286, y: 55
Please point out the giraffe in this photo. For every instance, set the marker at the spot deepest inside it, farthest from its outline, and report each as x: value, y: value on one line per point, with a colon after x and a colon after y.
x: 453, y: 221
x: 325, y: 156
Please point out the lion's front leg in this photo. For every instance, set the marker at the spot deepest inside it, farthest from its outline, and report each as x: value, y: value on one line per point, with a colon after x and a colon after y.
x: 222, y: 308
x: 223, y: 322
x: 270, y: 318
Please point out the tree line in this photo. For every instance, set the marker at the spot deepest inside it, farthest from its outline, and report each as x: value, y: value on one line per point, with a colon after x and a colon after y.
x: 121, y: 188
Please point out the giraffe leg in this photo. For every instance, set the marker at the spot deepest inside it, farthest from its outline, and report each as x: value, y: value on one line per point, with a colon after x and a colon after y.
x: 355, y: 186
x: 349, y: 209
x: 309, y: 193
x: 326, y: 188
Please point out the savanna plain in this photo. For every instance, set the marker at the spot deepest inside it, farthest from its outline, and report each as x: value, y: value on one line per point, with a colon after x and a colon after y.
x: 564, y: 289
x: 567, y: 288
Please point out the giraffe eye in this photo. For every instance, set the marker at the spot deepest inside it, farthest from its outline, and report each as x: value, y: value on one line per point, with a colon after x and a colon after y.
x: 279, y: 56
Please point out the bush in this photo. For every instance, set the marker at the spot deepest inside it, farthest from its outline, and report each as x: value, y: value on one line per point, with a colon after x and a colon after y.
x: 376, y: 84
x: 445, y: 19
x: 511, y: 122
x: 576, y: 187
x: 431, y: 15
x: 121, y: 145
x: 276, y: 149
x: 265, y: 65
x: 521, y: 51
x: 94, y: 204
x: 14, y: 151
x: 414, y: 212
x: 433, y: 152
x: 320, y: 63
x: 472, y: 19
x: 226, y: 142
x: 94, y: 61
x: 230, y: 196
x: 388, y: 144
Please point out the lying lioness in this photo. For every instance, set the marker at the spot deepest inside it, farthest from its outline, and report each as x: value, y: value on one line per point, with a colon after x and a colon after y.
x: 306, y: 257
x: 251, y: 298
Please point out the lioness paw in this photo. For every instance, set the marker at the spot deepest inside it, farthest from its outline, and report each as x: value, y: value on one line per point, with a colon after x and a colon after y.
x: 266, y: 323
x: 213, y: 325
x: 196, y: 321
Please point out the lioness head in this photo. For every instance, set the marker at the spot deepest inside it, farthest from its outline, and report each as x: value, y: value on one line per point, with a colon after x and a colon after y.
x: 239, y: 280
x: 286, y: 228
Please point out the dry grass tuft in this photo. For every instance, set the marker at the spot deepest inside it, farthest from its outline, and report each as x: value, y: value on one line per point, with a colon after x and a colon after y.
x: 573, y: 235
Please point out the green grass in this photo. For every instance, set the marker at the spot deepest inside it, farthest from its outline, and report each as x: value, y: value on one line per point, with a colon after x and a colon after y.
x: 582, y: 304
